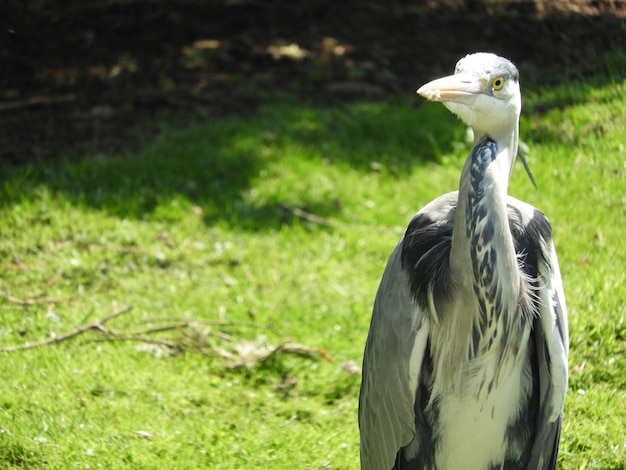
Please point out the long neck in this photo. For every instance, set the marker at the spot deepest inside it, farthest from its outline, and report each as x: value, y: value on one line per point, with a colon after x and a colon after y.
x: 482, y: 257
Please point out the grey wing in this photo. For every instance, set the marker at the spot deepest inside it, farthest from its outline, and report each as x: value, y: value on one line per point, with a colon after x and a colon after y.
x: 552, y: 343
x: 391, y: 365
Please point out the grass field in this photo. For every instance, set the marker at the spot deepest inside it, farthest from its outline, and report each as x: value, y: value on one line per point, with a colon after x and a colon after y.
x: 235, y: 238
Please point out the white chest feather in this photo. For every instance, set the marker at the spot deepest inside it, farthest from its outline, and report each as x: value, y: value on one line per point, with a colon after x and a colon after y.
x: 473, y: 420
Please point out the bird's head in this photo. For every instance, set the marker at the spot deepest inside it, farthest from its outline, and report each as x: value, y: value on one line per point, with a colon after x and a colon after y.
x: 484, y: 92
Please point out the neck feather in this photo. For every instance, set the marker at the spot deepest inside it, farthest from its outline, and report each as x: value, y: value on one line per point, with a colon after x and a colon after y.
x: 482, y: 252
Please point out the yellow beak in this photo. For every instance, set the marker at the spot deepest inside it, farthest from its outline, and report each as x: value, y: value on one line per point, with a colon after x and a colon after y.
x: 458, y: 88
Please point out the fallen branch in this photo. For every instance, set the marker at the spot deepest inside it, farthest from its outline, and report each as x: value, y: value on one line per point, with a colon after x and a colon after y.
x: 317, y: 220
x: 33, y: 300
x: 37, y: 101
x: 196, y: 323
x: 199, y: 337
x: 114, y: 337
x: 250, y: 353
x: 307, y: 216
x: 97, y: 325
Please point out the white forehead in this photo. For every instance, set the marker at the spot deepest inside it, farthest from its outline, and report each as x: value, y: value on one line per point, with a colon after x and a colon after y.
x: 486, y: 63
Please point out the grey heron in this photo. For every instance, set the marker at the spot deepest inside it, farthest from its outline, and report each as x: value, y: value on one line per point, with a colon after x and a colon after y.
x: 465, y: 364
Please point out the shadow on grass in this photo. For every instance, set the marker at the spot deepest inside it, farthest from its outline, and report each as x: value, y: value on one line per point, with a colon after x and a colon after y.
x: 216, y: 165
x: 140, y: 56
x: 213, y: 165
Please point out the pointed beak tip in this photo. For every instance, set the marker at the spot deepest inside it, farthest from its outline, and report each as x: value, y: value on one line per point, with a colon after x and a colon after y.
x: 454, y: 88
x: 429, y: 93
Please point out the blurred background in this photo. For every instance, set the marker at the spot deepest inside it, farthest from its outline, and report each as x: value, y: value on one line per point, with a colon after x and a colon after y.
x: 88, y: 77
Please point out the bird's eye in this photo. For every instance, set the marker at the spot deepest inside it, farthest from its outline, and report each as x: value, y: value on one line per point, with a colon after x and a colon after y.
x: 497, y: 83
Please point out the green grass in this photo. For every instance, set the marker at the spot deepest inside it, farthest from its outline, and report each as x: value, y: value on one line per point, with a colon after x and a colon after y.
x: 201, y: 225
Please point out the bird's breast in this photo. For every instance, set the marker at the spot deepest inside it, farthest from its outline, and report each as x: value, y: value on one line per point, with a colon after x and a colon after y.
x: 473, y: 420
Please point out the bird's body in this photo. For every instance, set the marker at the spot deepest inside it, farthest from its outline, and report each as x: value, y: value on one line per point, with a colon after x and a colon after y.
x: 465, y: 365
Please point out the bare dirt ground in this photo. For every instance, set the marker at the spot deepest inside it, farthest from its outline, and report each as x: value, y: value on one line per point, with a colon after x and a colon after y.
x: 88, y: 77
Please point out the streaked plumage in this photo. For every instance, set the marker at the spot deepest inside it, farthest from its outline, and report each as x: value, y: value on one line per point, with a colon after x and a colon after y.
x: 465, y: 365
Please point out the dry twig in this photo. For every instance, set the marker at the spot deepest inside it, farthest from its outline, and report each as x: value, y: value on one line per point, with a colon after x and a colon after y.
x: 97, y: 325
x: 238, y: 354
x: 315, y: 219
x: 37, y: 101
x: 33, y: 300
